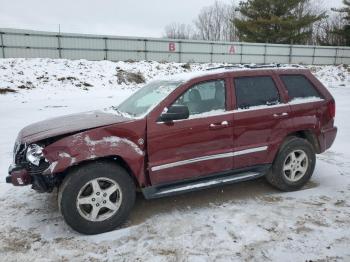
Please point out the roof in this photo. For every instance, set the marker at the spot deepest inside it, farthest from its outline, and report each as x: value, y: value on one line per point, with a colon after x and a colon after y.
x: 228, y: 69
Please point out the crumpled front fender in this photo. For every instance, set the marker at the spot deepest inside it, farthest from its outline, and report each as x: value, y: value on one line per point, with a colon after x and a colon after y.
x: 95, y: 144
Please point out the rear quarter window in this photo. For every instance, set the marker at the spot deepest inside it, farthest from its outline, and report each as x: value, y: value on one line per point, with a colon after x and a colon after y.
x: 256, y: 91
x: 299, y: 86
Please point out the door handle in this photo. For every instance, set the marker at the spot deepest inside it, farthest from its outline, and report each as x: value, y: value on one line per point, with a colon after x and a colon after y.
x: 223, y: 124
x: 280, y: 115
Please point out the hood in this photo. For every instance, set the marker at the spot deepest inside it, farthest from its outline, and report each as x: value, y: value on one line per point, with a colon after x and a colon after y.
x: 68, y: 124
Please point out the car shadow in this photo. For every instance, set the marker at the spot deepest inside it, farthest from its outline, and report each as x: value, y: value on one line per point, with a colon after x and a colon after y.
x: 242, y: 191
x: 145, y: 209
x: 258, y: 188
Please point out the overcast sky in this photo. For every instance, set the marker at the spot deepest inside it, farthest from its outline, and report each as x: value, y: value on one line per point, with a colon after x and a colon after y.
x: 115, y: 17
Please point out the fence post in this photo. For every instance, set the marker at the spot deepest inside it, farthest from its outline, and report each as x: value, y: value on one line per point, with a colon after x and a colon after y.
x: 59, y: 46
x: 180, y: 51
x: 2, y: 44
x: 211, y: 52
x: 336, y: 55
x: 106, y: 48
x: 145, y: 49
x: 241, y: 59
x: 290, y: 53
x: 313, y: 56
x: 265, y: 50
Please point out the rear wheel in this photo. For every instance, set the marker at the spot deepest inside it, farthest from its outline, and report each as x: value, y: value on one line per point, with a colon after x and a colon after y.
x: 96, y: 197
x: 293, y: 166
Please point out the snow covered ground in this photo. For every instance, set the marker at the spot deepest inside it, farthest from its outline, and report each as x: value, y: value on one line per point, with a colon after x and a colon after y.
x: 249, y: 221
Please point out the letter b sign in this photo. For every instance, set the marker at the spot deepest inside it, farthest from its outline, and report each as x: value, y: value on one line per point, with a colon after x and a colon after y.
x: 172, y: 47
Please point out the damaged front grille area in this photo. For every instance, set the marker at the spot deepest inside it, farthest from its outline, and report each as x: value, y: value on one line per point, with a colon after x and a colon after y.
x: 19, y: 153
x: 37, y: 170
x: 20, y: 159
x: 39, y: 182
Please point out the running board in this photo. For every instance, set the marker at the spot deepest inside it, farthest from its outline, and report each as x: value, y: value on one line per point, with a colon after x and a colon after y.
x: 173, y: 189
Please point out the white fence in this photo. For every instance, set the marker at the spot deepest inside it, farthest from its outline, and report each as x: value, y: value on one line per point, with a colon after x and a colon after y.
x: 27, y: 43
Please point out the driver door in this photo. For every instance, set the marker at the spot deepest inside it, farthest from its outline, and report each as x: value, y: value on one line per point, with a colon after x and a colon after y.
x: 197, y: 146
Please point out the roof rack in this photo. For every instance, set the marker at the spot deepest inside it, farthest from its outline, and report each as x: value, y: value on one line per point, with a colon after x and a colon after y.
x: 225, y: 67
x: 255, y: 66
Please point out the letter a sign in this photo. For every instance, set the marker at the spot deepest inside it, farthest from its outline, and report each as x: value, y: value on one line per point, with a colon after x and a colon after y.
x: 172, y: 47
x: 232, y: 50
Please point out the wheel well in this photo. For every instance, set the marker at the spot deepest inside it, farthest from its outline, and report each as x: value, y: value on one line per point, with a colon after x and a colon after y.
x: 309, y: 136
x: 115, y: 159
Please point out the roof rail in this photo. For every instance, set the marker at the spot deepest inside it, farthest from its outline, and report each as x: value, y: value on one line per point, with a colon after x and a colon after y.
x: 255, y: 66
x: 225, y: 67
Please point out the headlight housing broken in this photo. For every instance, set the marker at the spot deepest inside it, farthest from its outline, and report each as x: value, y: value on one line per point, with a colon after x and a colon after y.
x: 34, y: 154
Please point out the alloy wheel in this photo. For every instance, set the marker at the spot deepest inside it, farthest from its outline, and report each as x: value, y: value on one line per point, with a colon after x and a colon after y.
x: 295, y: 165
x: 99, y: 199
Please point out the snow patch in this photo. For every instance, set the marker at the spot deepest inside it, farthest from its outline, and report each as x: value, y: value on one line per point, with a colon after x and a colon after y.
x: 303, y: 100
x: 243, y: 222
x: 113, y: 141
x: 66, y: 155
x: 53, y: 166
x: 259, y: 107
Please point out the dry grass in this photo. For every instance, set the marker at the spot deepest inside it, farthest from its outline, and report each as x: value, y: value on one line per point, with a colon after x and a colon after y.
x: 125, y: 77
x: 6, y: 90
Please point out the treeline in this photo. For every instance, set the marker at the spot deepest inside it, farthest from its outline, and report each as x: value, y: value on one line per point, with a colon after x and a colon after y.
x: 268, y: 21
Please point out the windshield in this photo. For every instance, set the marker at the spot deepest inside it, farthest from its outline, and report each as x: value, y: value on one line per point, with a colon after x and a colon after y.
x: 149, y: 96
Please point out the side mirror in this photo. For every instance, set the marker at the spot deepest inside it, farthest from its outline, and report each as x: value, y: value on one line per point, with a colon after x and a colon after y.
x: 175, y: 112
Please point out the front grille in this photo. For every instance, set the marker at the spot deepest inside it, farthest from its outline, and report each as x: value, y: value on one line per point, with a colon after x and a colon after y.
x: 20, y: 159
x: 19, y: 154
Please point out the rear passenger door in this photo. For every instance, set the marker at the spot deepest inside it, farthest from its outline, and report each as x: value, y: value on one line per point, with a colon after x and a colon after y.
x: 261, y: 118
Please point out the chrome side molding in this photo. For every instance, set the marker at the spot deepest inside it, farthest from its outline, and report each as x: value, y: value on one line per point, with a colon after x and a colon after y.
x: 210, y: 157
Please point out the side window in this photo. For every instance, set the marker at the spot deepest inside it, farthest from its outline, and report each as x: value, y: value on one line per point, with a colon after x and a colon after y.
x: 204, y: 97
x: 299, y: 87
x: 256, y: 91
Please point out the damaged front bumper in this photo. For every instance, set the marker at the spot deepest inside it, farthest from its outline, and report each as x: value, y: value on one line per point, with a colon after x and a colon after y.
x: 18, y: 176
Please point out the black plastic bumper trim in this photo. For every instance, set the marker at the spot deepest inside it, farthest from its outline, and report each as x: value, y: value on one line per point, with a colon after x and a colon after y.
x: 9, y: 179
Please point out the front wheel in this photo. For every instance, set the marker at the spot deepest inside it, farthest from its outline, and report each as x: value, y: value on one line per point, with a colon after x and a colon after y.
x: 293, y: 166
x: 96, y: 197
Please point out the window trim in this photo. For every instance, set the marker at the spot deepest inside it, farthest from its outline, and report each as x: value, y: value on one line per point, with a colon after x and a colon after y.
x: 280, y: 97
x: 307, y: 79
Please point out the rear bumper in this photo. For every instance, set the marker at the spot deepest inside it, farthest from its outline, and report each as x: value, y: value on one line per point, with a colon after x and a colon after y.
x: 327, y: 138
x: 18, y: 176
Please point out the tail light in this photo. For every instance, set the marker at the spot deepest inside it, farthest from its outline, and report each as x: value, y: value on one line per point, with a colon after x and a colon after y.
x: 331, y: 109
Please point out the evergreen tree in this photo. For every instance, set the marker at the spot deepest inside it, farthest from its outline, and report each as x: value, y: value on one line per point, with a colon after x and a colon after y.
x: 345, y: 31
x: 275, y: 21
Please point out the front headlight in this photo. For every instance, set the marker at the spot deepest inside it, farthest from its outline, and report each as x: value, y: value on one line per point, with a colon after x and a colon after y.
x: 34, y: 154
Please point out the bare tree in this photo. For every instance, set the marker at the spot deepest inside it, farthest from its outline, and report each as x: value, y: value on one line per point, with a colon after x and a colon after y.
x: 326, y: 31
x: 178, y: 31
x: 313, y: 8
x: 323, y: 31
x: 215, y: 22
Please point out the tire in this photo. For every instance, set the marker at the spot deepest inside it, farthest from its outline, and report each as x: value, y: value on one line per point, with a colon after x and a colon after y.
x: 290, y: 173
x: 96, y: 197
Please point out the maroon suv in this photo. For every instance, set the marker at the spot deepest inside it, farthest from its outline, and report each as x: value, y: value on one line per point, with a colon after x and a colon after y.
x: 176, y: 135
